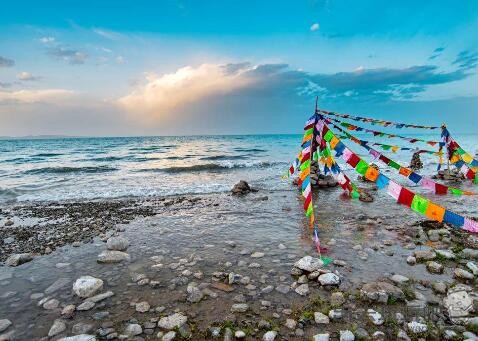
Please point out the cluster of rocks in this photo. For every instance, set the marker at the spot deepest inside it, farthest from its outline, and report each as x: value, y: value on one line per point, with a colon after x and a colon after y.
x: 319, y: 180
x: 115, y: 251
x: 68, y: 223
x: 453, y: 175
x: 415, y: 162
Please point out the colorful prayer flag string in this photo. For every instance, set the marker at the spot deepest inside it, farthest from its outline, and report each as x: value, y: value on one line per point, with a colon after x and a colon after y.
x: 376, y: 121
x: 404, y: 171
x: 401, y: 194
x: 377, y: 133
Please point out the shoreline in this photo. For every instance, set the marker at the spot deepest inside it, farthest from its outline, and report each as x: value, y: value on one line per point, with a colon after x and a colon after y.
x: 215, y: 265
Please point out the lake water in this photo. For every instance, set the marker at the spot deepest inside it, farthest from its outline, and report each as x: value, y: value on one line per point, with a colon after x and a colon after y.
x: 90, y: 168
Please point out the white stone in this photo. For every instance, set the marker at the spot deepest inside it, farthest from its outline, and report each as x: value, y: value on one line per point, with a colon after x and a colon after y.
x: 239, y: 308
x: 329, y: 279
x: 169, y: 336
x: 18, y: 259
x: 270, y: 335
x: 472, y: 267
x: 302, y: 289
x: 87, y: 286
x: 172, y: 321
x: 458, y: 304
x: 375, y: 317
x: 416, y: 327
x: 346, y: 335
x: 321, y: 337
x: 257, y: 255
x: 309, y: 264
x: 133, y: 329
x: 321, y: 318
x: 142, y: 307
x: 290, y: 323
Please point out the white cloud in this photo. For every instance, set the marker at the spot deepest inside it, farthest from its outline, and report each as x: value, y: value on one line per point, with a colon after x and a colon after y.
x: 26, y: 76
x: 35, y: 96
x: 161, y: 95
x: 111, y: 35
x: 120, y: 60
x: 314, y: 27
x: 46, y: 40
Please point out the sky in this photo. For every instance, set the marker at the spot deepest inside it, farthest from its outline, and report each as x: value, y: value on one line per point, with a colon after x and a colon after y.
x: 176, y: 67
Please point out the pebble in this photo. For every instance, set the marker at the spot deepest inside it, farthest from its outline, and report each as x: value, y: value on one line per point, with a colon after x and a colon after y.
x: 463, y: 274
x: 434, y: 267
x: 257, y: 255
x: 270, y: 335
x: 411, y: 260
x: 239, y: 334
x: 172, y: 321
x: 142, y: 307
x: 335, y: 314
x: 472, y: 267
x: 4, y: 324
x: 399, y: 279
x: 58, y: 327
x: 321, y: 318
x: 290, y: 323
x: 133, y: 329
x: 302, y: 289
x: 86, y: 305
x: 283, y: 289
x: 169, y: 336
x: 117, y: 244
x: 110, y: 257
x: 416, y: 327
x: 329, y: 279
x: 321, y: 337
x: 51, y: 304
x: 375, y: 317
x: 346, y: 335
x: 239, y: 308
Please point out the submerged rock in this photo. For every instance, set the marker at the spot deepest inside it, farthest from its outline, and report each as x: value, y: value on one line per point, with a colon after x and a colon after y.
x: 18, y: 259
x: 58, y: 327
x: 117, y: 244
x: 108, y: 257
x: 87, y: 286
x: 82, y: 337
x: 381, y: 292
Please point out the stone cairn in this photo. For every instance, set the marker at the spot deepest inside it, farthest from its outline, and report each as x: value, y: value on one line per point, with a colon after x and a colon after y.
x: 318, y: 180
x: 453, y: 175
x: 416, y: 163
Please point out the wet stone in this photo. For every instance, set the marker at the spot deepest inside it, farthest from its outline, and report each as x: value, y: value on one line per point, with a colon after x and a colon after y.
x: 58, y: 327
x: 239, y: 308
x: 434, y: 267
x: 302, y: 290
x: 87, y: 286
x: 81, y: 328
x: 4, y: 324
x: 51, y: 304
x: 110, y: 257
x: 18, y: 259
x: 117, y: 244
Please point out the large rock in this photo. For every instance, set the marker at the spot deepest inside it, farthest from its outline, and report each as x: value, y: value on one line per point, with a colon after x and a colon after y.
x: 381, y: 292
x: 241, y: 188
x: 18, y: 259
x: 133, y: 329
x: 172, y: 321
x: 469, y: 253
x: 87, y: 286
x: 309, y: 264
x: 109, y: 256
x: 458, y: 303
x: 117, y: 243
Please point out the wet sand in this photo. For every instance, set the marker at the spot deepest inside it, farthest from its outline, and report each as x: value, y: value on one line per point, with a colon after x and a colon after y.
x: 227, y: 264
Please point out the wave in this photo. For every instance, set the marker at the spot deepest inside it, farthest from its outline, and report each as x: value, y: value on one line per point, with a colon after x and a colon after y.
x: 250, y: 150
x: 224, y: 157
x: 69, y: 170
x: 47, y: 154
x: 107, y: 158
x: 211, y: 167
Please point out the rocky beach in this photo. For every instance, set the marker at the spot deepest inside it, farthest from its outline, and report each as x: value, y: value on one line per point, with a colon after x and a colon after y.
x: 233, y: 267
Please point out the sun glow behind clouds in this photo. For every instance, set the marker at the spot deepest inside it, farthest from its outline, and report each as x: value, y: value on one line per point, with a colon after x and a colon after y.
x: 162, y: 95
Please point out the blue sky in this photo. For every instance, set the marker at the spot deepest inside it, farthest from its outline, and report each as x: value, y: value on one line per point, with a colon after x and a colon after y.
x: 209, y: 67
